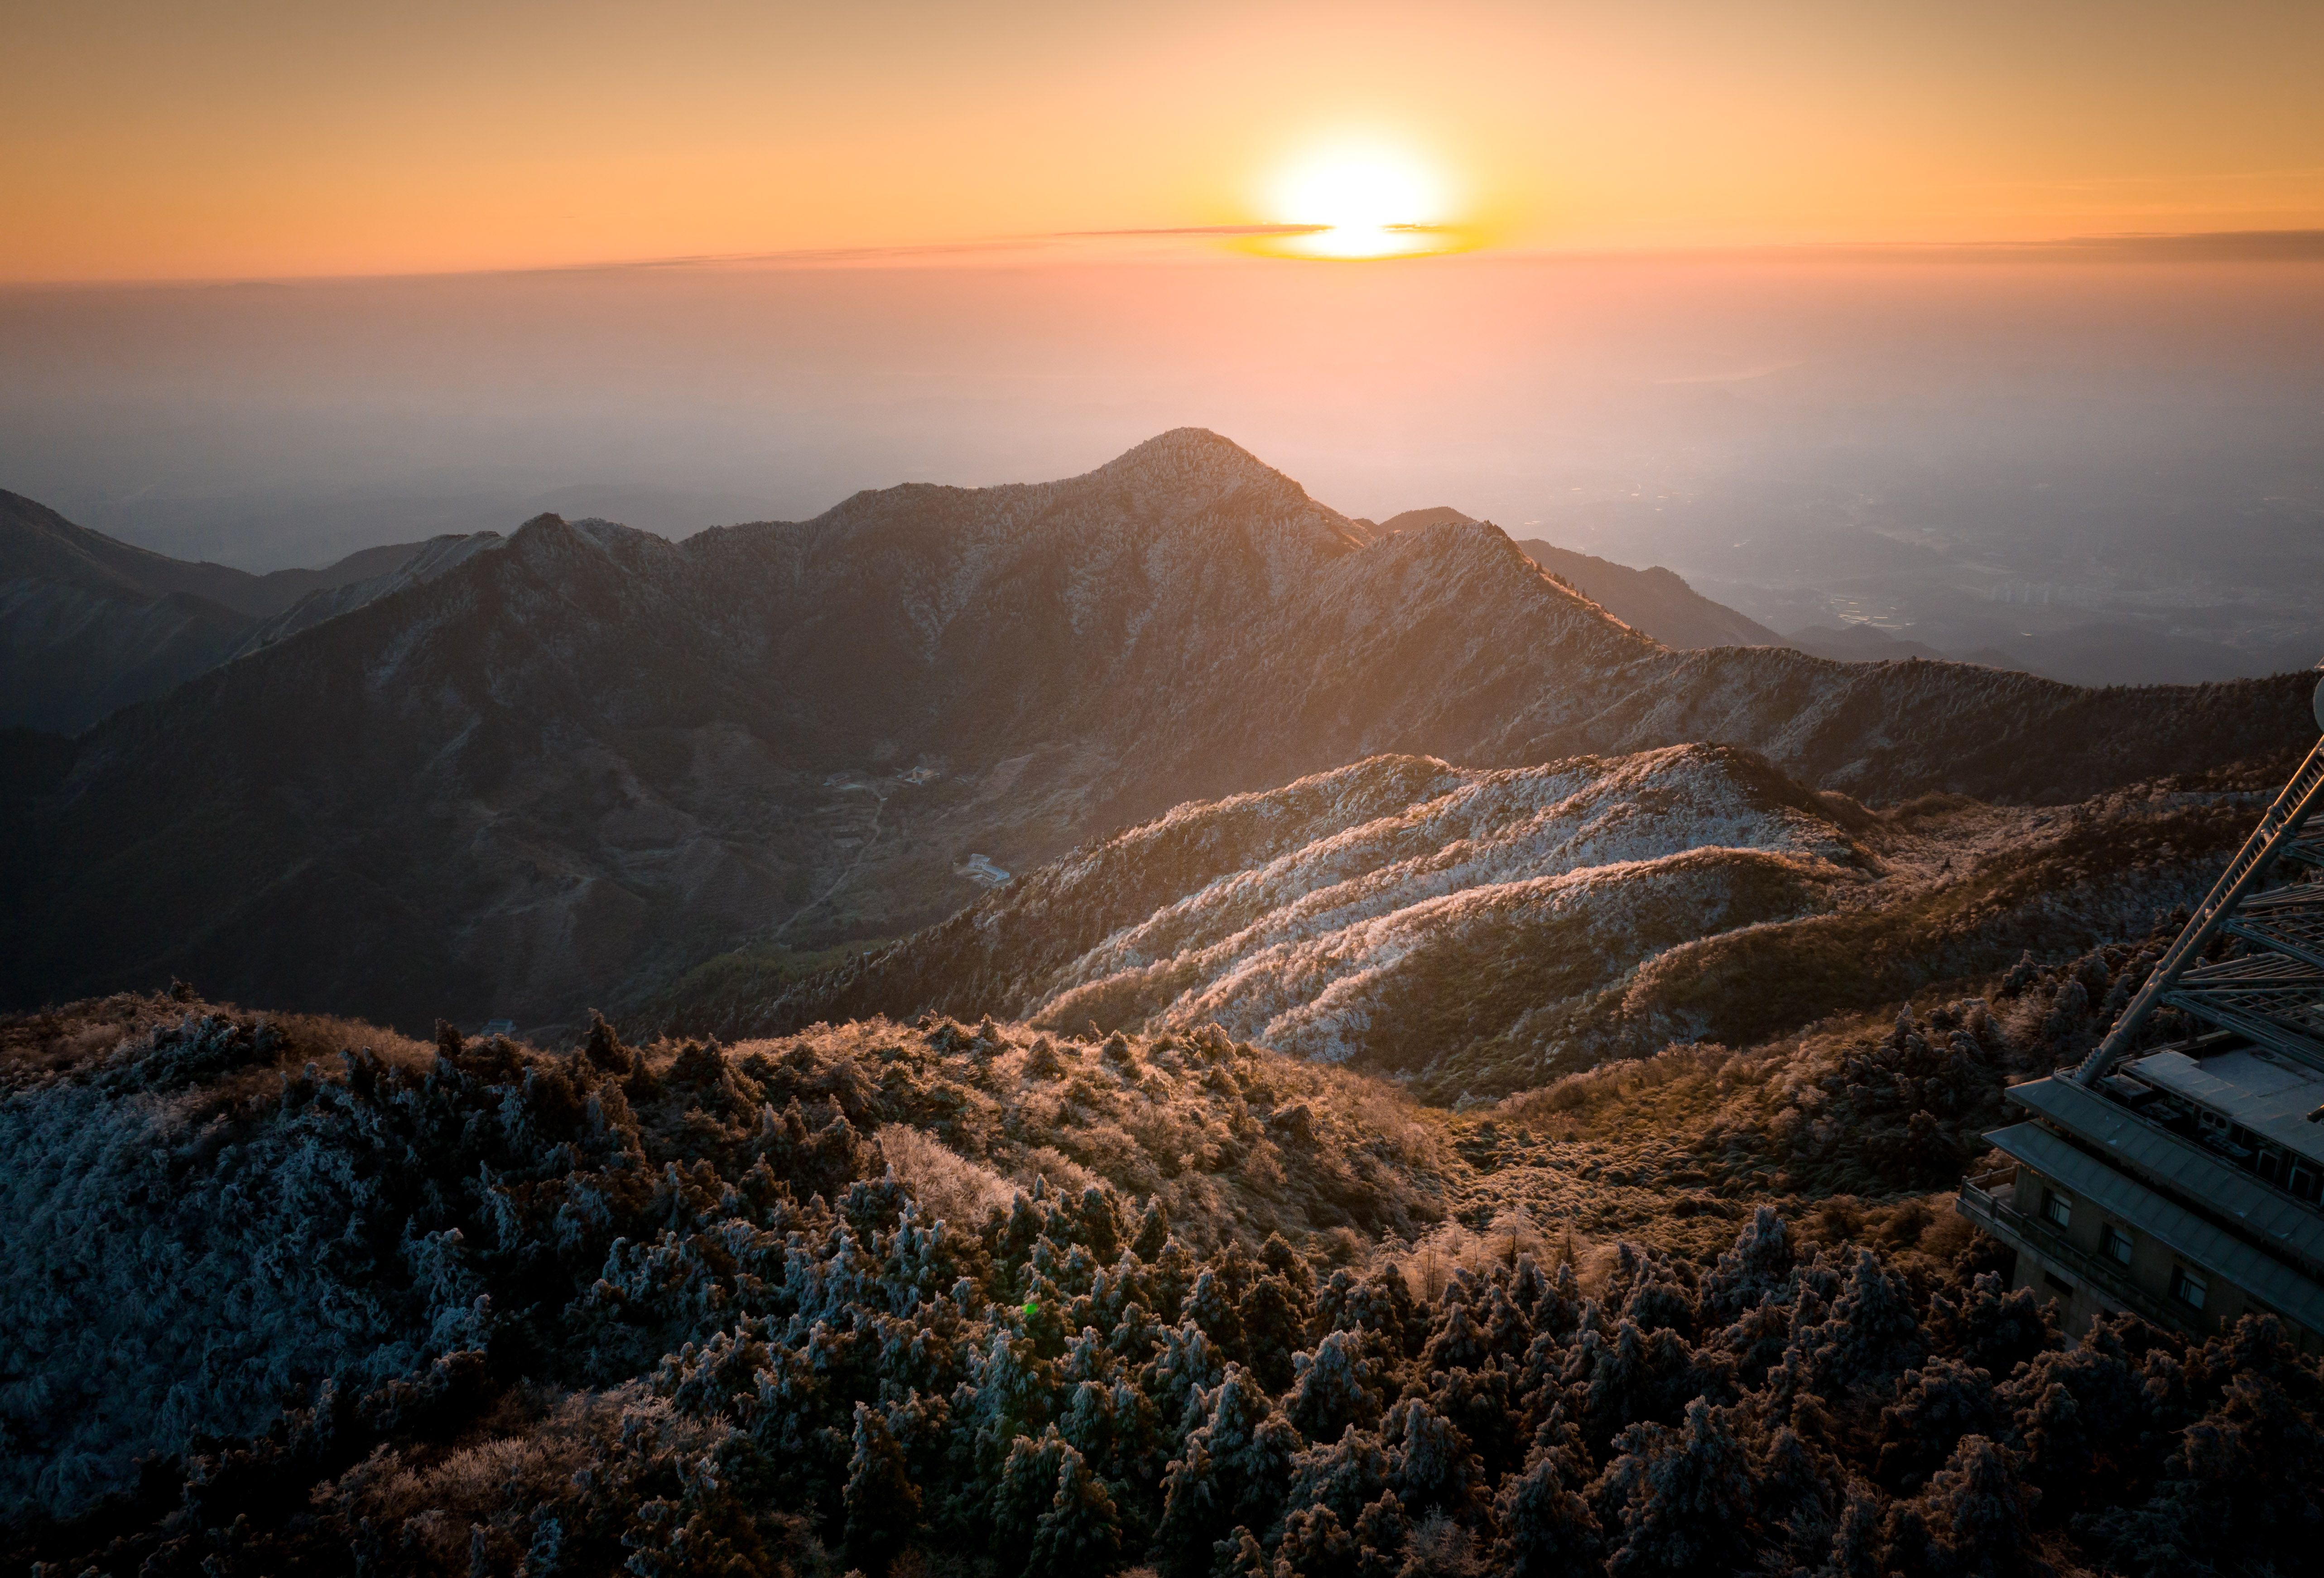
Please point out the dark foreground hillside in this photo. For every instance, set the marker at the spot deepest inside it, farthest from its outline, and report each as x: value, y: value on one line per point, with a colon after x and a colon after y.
x: 295, y: 1296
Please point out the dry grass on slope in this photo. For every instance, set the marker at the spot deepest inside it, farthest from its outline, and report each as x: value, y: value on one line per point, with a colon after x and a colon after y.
x: 1964, y: 889
x: 50, y: 1044
x: 1233, y: 1141
x: 1504, y: 930
x: 1855, y: 1130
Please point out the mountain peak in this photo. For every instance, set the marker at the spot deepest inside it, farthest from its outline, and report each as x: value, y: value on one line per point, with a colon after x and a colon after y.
x: 1414, y: 519
x: 1189, y: 454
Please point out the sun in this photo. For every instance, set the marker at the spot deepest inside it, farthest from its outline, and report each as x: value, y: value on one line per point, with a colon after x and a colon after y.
x: 1360, y: 200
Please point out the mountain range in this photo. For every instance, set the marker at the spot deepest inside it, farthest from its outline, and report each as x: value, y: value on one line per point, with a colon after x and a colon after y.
x: 565, y: 765
x: 89, y: 624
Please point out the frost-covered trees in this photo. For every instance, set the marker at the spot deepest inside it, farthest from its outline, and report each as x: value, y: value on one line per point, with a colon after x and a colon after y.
x: 1336, y: 1387
x: 883, y: 1505
x: 672, y: 1311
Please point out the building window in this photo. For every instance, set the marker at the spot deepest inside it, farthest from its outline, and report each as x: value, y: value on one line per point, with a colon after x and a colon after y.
x: 2117, y: 1244
x: 2189, y: 1288
x: 2056, y: 1207
x: 2304, y: 1181
x: 2058, y: 1284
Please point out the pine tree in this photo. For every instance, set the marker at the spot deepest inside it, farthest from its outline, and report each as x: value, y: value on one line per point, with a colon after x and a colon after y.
x: 1484, y: 1406
x: 1174, y: 1274
x: 1456, y: 1343
x: 1316, y: 1545
x: 1872, y: 1334
x: 1989, y: 1328
x: 1153, y: 1232
x: 2069, y: 1011
x: 1271, y: 1318
x: 1936, y: 1406
x: 1336, y: 1387
x: 1527, y: 1285
x: 1240, y: 1556
x: 1858, y: 1547
x: 603, y: 1048
x: 1095, y: 1225
x: 1081, y: 1533
x: 1685, y: 1498
x: 1346, y: 1475
x: 1383, y: 1304
x: 1978, y: 1508
x: 1757, y: 1266
x: 1210, y: 1306
x: 1024, y: 1491
x: 1431, y: 1466
x: 1235, y: 1469
x: 1279, y: 1258
x: 1507, y: 1330
x: 1547, y: 1529
x: 1797, y: 1490
x: 882, y: 1503
x: 1382, y: 1536
x: 1010, y: 1396
x: 1188, y: 1366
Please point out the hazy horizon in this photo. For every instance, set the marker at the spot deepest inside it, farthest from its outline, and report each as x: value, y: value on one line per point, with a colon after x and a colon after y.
x: 1814, y: 437
x: 1999, y: 331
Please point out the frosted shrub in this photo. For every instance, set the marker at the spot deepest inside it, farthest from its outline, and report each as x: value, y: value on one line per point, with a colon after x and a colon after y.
x: 951, y: 1187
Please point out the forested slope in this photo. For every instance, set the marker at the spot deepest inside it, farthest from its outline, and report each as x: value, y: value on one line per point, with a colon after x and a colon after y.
x: 841, y: 1302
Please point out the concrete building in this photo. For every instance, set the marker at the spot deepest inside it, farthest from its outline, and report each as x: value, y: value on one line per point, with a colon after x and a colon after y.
x: 2146, y: 1193
x: 2183, y: 1182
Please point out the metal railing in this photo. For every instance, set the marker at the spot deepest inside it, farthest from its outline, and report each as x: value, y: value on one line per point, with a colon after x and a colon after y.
x: 2045, y: 1241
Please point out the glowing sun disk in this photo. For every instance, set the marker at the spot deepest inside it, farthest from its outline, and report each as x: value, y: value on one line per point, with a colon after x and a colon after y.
x: 1368, y: 201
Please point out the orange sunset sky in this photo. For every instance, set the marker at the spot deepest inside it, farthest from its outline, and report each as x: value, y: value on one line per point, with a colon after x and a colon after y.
x: 237, y: 139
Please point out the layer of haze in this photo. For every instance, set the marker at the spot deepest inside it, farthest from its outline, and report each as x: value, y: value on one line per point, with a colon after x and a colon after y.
x: 1979, y: 451
x: 1773, y: 293
x: 259, y: 138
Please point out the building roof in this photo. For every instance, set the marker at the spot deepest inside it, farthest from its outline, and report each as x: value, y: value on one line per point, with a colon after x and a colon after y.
x: 2267, y: 1094
x: 2267, y: 1214
x: 2264, y: 1278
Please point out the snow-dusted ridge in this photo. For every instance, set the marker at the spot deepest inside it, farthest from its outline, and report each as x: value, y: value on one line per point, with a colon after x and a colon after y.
x: 1485, y: 930
x: 1345, y: 915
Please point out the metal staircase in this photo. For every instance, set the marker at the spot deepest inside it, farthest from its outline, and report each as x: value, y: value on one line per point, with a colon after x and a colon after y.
x: 2273, y: 994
